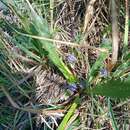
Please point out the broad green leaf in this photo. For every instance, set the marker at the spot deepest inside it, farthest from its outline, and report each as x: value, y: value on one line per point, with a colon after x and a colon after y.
x: 112, y: 88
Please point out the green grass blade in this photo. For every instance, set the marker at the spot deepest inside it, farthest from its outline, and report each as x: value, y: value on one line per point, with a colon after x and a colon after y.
x: 114, y: 123
x: 29, y: 53
x: 121, y: 69
x: 69, y: 114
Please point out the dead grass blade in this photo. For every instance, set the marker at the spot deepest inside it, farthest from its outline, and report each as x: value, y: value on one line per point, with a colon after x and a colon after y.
x: 115, y: 35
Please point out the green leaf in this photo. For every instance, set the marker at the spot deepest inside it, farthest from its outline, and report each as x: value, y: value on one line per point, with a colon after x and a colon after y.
x: 112, y: 88
x: 97, y: 65
x: 69, y: 114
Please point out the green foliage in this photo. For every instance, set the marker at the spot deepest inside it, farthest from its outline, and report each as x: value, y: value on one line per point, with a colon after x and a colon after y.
x: 121, y: 69
x: 99, y: 61
x: 39, y: 27
x: 69, y: 114
x: 97, y: 66
x: 112, y: 88
x: 29, y: 53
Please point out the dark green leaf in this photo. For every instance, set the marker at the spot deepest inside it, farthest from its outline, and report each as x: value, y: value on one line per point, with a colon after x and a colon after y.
x: 112, y: 88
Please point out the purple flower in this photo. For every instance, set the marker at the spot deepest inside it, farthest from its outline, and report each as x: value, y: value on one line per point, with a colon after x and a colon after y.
x: 71, y: 58
x: 72, y: 87
x: 104, y: 72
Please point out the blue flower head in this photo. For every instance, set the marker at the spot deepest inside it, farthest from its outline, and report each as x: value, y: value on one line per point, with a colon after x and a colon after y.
x: 104, y: 72
x: 72, y: 87
x: 71, y: 58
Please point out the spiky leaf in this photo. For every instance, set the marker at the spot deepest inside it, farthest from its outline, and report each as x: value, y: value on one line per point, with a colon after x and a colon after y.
x: 112, y: 88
